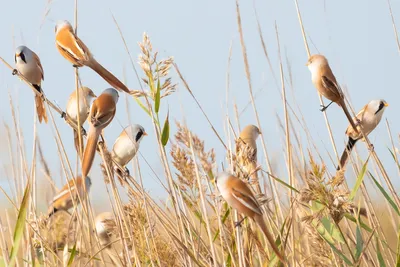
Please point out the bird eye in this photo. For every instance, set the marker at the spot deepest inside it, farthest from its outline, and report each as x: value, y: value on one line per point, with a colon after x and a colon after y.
x: 138, y: 135
x: 22, y: 57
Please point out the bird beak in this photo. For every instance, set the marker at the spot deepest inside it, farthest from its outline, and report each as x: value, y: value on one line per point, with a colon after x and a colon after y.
x: 308, y: 63
x: 145, y: 134
x: 386, y: 104
x: 17, y: 55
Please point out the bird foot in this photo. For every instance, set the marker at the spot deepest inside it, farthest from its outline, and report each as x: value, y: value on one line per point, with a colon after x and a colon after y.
x: 14, y: 72
x: 126, y: 173
x: 239, y: 223
x: 83, y: 131
x: 63, y: 115
x: 75, y: 66
x: 371, y: 148
x: 358, y: 121
x: 323, y: 108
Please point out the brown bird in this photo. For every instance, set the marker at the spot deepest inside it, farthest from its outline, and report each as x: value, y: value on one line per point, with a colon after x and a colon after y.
x: 28, y: 64
x: 326, y: 84
x: 76, y: 52
x: 102, y: 113
x: 85, y: 98
x: 246, y: 153
x: 239, y: 196
x: 367, y: 120
x: 105, y: 226
x: 64, y: 200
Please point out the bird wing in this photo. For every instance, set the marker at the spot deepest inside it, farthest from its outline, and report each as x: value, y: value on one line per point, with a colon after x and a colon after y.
x: 331, y: 85
x: 68, y: 42
x: 103, y: 111
x: 244, y: 195
x: 357, y: 120
x: 39, y: 64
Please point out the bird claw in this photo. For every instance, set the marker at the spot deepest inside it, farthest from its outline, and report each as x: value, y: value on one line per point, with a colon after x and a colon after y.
x: 238, y: 224
x: 14, y: 72
x: 83, y: 131
x: 75, y: 66
x: 371, y: 148
x: 323, y: 108
x: 126, y: 173
x: 63, y: 115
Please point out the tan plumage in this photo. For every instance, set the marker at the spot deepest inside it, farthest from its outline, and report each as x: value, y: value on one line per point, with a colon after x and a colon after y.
x: 28, y: 65
x: 326, y: 84
x: 246, y: 153
x: 105, y: 226
x: 102, y: 113
x: 367, y: 120
x: 239, y: 196
x: 127, y: 144
x: 85, y: 97
x: 76, y: 52
x: 64, y: 201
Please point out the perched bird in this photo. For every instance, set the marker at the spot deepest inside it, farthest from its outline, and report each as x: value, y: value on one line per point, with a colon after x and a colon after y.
x: 367, y: 120
x: 76, y: 52
x: 28, y: 64
x: 246, y: 152
x: 85, y: 98
x: 239, y: 196
x: 102, y: 113
x: 127, y: 144
x: 326, y: 84
x: 105, y: 226
x: 64, y: 200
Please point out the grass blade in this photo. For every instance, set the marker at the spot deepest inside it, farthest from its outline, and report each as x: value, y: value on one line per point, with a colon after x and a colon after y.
x: 385, y: 194
x: 359, y: 244
x: 158, y: 97
x: 19, y: 226
x: 359, y: 180
x: 73, y: 253
x: 379, y: 254
x: 165, y: 131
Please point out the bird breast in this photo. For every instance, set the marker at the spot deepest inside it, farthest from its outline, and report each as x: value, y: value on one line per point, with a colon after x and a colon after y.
x: 30, y: 71
x: 124, y: 150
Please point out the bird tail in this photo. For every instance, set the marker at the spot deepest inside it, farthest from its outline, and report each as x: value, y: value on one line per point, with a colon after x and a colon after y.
x: 346, y: 153
x: 347, y: 113
x: 260, y: 221
x: 90, y: 150
x: 106, y: 75
x: 41, y: 109
x: 79, y: 147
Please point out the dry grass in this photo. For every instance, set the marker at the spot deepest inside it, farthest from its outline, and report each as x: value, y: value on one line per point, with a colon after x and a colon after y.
x: 316, y: 219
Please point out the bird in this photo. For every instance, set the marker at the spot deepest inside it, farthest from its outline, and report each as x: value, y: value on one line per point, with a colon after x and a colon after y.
x: 85, y: 98
x: 240, y: 197
x: 105, y: 226
x: 324, y: 80
x: 28, y: 64
x: 64, y: 200
x: 102, y: 112
x: 246, y: 152
x: 366, y: 120
x: 76, y: 52
x: 127, y: 144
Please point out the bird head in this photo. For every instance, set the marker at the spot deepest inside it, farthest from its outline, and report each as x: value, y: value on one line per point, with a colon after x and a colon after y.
x: 316, y: 61
x: 378, y: 106
x: 113, y: 93
x: 22, y: 53
x: 250, y: 132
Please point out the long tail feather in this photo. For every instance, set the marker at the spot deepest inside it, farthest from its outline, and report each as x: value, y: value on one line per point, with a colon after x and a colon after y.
x: 346, y: 153
x: 79, y: 147
x: 108, y: 76
x: 260, y: 221
x: 347, y: 113
x: 90, y: 150
x: 41, y: 109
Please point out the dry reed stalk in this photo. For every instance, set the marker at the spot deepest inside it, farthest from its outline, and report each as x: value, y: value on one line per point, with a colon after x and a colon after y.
x: 248, y: 77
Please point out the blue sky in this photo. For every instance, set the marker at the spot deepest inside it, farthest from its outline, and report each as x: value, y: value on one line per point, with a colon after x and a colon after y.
x: 356, y: 36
